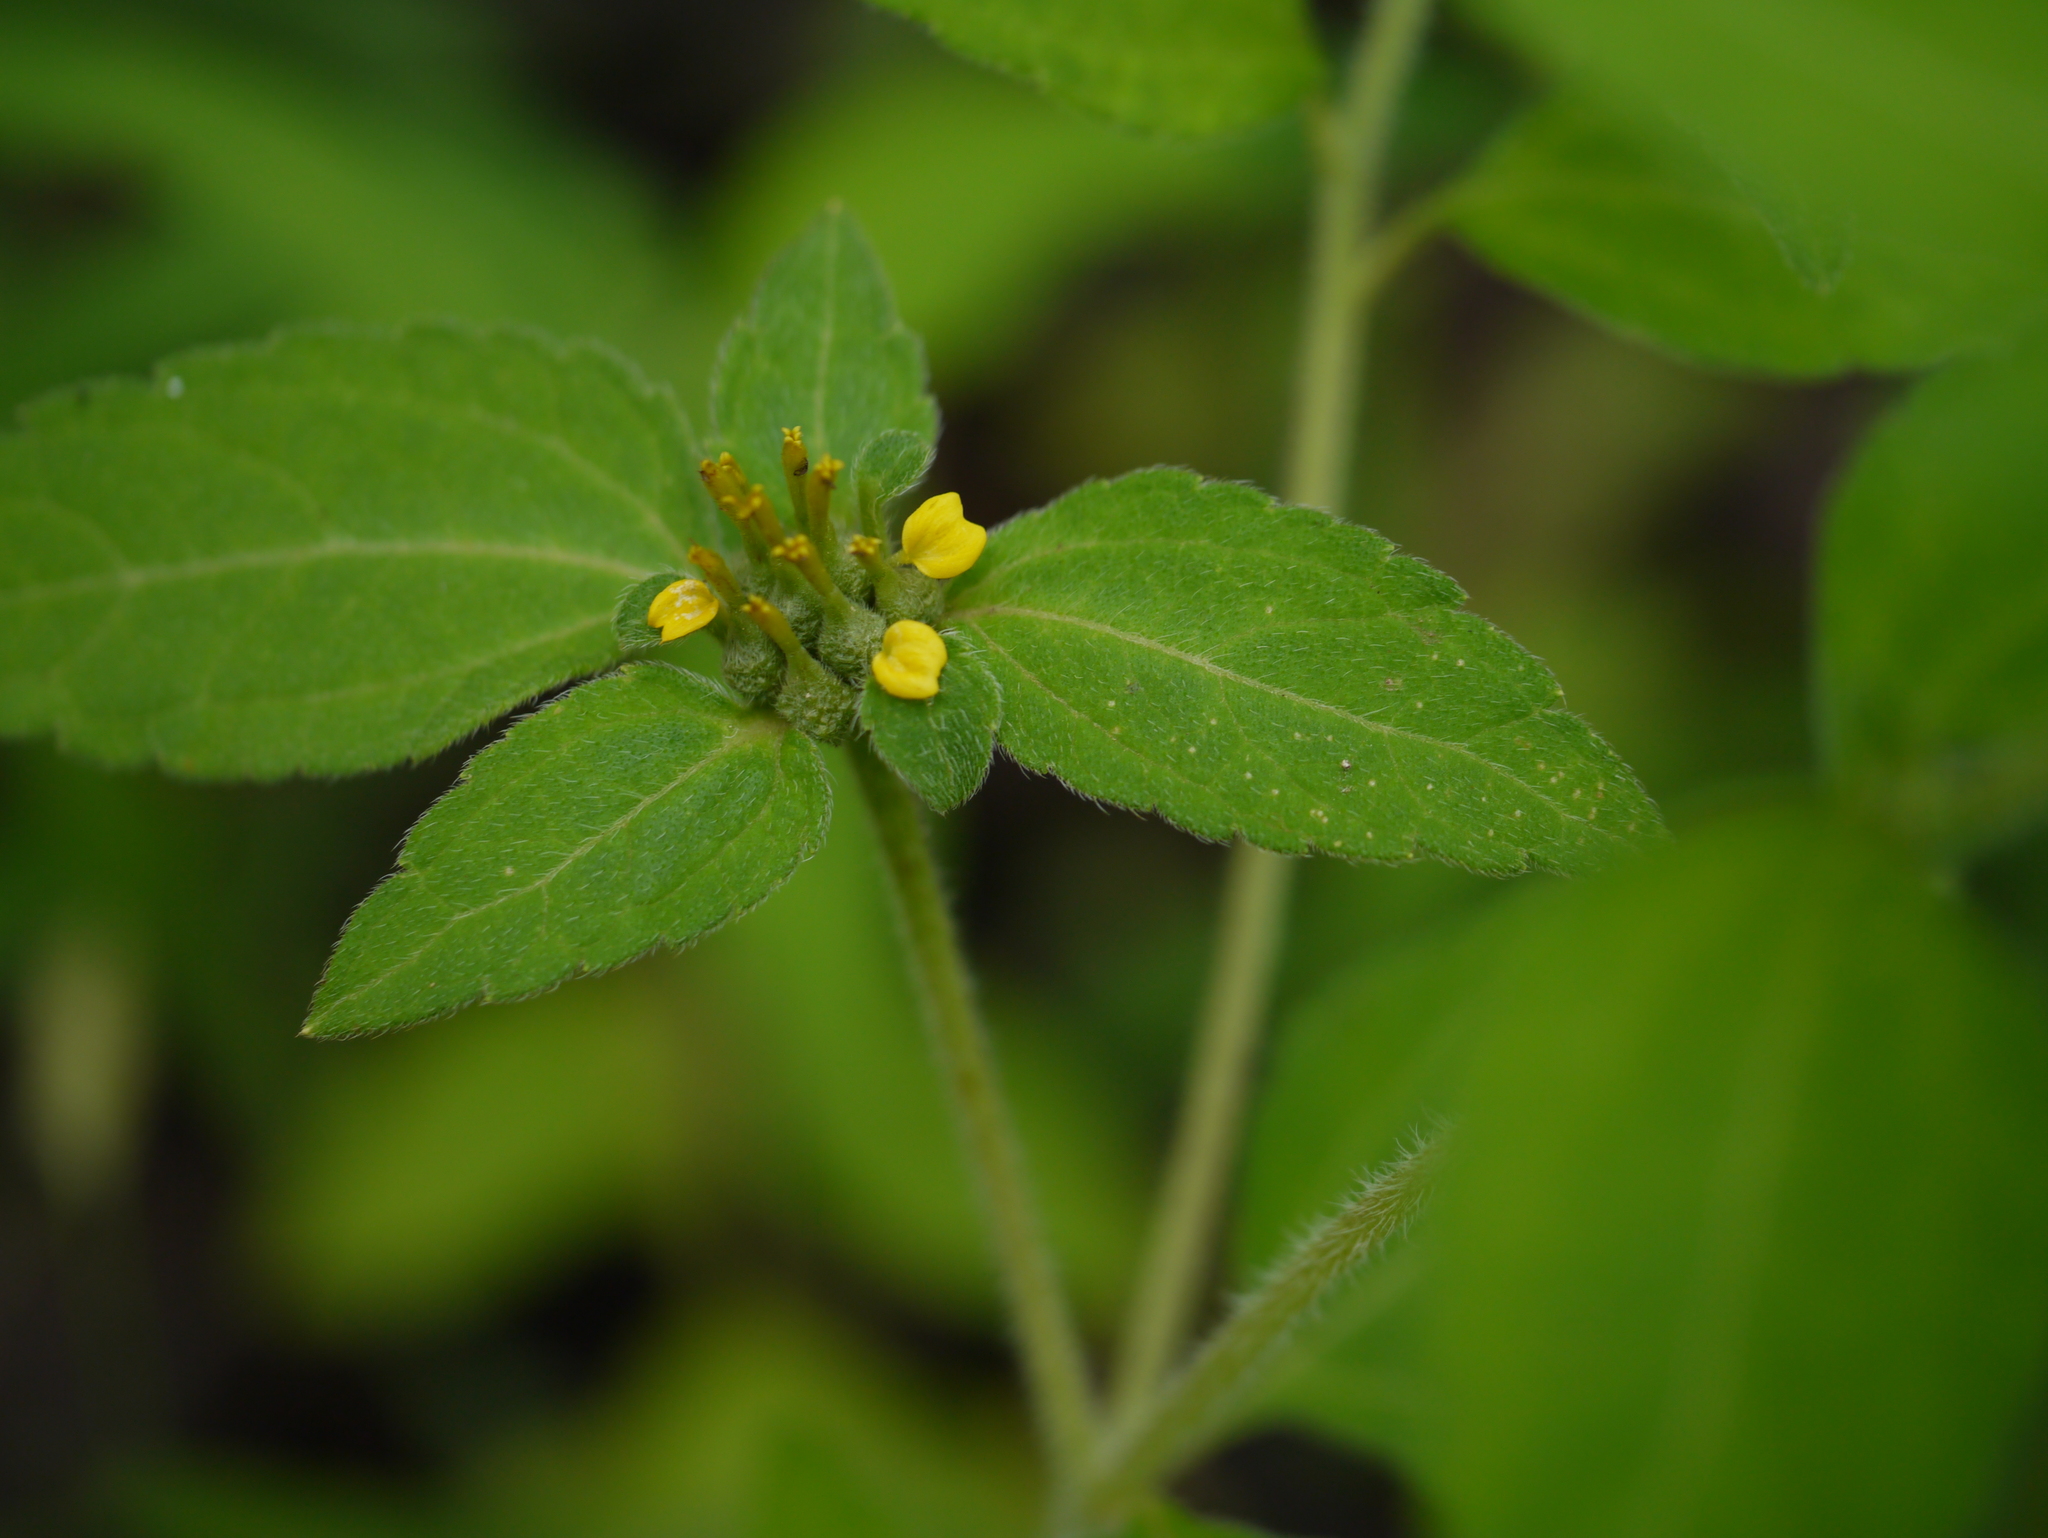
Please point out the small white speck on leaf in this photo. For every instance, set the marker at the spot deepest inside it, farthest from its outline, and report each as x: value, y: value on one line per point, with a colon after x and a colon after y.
x: 508, y: 870
x: 1343, y: 763
x: 174, y: 387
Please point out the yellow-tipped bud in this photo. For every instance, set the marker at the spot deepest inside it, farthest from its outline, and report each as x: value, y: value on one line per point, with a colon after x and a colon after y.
x: 796, y: 459
x: 803, y: 555
x: 760, y: 512
x: 938, y: 540
x: 682, y: 607
x: 818, y: 488
x: 723, y: 479
x: 911, y: 659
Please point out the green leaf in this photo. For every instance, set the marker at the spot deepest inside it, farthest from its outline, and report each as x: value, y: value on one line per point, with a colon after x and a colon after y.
x: 1746, y: 1226
x: 820, y: 347
x: 942, y: 745
x: 1243, y: 667
x: 240, y: 182
x: 1191, y: 67
x: 890, y: 465
x: 1360, y: 1069
x: 1631, y: 224
x: 640, y: 810
x: 1932, y: 659
x: 1031, y: 196
x: 1882, y: 137
x: 333, y: 550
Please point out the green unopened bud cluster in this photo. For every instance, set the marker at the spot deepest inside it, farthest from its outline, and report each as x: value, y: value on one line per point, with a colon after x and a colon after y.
x: 802, y: 615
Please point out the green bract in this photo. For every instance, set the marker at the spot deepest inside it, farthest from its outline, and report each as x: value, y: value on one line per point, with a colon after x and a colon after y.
x: 334, y: 550
x: 943, y: 745
x: 822, y: 348
x: 1247, y: 668
x: 639, y: 810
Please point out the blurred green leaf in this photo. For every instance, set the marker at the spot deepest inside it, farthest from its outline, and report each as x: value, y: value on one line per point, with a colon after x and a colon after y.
x: 193, y: 1497
x: 1248, y: 668
x: 1164, y: 1521
x: 1932, y: 652
x: 943, y: 745
x: 1176, y: 66
x: 429, y: 1178
x: 1360, y: 1070
x: 1746, y: 1227
x: 1890, y: 135
x: 639, y: 810
x: 332, y: 550
x: 822, y: 348
x: 714, y: 1427
x: 1627, y: 222
x: 208, y: 183
x: 984, y: 199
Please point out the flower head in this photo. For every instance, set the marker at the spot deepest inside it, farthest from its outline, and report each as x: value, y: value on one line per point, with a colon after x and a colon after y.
x: 911, y: 659
x: 938, y: 540
x: 682, y: 607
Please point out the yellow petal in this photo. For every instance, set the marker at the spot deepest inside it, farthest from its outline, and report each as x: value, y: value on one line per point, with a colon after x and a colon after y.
x: 910, y: 661
x: 939, y: 540
x: 682, y: 607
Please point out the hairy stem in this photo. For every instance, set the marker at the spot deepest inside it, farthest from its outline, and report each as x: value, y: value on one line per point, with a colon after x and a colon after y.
x: 1170, y: 1426
x: 1344, y: 271
x: 1055, y: 1370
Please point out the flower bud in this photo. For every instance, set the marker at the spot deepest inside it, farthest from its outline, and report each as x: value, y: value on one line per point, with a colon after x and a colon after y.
x: 682, y: 607
x: 939, y: 540
x: 910, y: 661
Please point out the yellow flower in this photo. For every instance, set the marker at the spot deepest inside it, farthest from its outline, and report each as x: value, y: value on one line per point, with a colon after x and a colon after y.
x: 911, y: 659
x: 682, y: 607
x: 939, y: 541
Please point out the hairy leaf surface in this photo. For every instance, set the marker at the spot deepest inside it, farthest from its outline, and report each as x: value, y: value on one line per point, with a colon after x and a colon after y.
x: 333, y: 550
x: 638, y: 810
x: 1177, y: 66
x: 1628, y: 222
x: 820, y: 347
x: 890, y: 465
x: 1745, y: 1226
x: 1933, y: 637
x: 942, y: 745
x: 1244, y: 667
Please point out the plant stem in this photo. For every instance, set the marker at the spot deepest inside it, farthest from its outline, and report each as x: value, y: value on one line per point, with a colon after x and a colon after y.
x: 1345, y: 269
x: 1152, y: 1446
x: 1350, y: 145
x: 1178, y: 1258
x: 1055, y: 1370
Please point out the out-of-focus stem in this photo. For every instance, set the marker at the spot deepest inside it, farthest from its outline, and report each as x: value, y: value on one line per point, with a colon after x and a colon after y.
x: 1351, y: 138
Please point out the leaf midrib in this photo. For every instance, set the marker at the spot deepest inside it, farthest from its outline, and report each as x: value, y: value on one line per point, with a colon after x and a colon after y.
x: 1145, y: 643
x: 742, y: 736
x: 131, y: 578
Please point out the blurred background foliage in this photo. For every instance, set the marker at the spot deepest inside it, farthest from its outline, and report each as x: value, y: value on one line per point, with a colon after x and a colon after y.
x: 685, y: 1249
